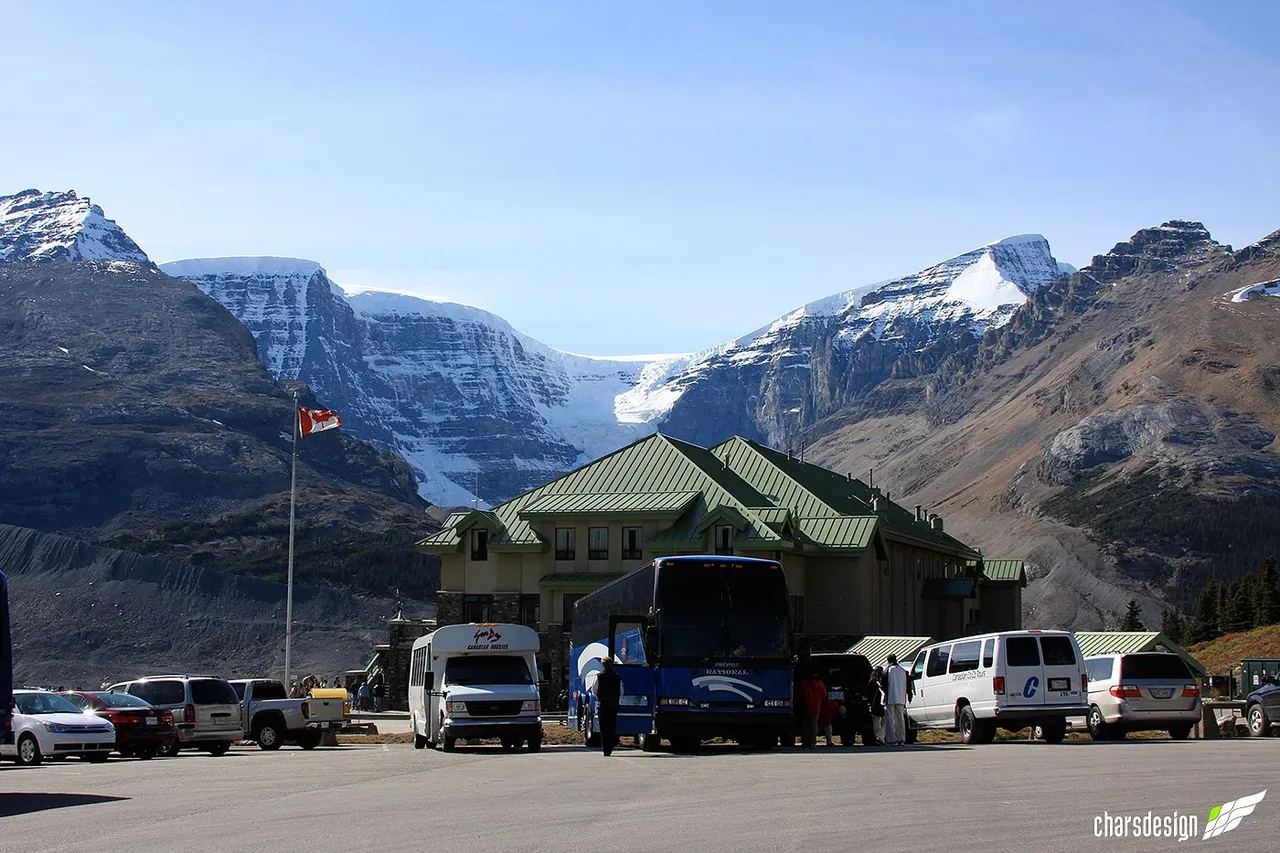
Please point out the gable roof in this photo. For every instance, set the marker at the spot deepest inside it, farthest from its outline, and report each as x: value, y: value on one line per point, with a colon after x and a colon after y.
x: 815, y: 492
x: 1003, y: 571
x: 1123, y: 642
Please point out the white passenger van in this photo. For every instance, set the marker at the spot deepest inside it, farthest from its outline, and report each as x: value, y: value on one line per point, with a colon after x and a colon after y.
x: 1009, y: 680
x: 475, y: 681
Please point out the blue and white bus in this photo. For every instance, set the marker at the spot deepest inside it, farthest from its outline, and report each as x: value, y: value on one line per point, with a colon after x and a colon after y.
x: 704, y: 648
x: 6, y: 666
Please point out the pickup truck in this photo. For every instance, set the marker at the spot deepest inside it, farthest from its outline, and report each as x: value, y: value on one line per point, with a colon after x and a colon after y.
x: 271, y: 718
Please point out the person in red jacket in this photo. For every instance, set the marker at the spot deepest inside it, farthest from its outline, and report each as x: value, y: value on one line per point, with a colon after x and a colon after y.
x: 813, y: 694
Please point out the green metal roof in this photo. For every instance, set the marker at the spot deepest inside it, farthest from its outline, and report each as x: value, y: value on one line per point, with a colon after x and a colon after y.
x: 1004, y: 571
x: 446, y: 541
x: 877, y: 648
x: 812, y: 491
x: 610, y: 504
x: 577, y: 580
x: 1125, y: 642
x: 839, y: 533
x: 777, y: 517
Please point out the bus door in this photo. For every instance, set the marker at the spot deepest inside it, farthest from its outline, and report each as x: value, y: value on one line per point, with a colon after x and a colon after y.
x: 626, y: 647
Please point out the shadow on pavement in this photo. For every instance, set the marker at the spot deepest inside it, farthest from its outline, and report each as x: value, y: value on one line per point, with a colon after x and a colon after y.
x: 16, y: 804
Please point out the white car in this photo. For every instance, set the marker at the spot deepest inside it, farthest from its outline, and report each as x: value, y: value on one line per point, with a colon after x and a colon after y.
x: 46, y: 725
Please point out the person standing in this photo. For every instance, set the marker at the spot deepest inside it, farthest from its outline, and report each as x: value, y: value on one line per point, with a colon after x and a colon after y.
x: 608, y: 695
x: 813, y: 695
x: 898, y: 692
x: 875, y: 697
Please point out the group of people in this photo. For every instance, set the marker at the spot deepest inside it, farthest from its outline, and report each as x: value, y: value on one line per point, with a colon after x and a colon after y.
x: 882, y: 704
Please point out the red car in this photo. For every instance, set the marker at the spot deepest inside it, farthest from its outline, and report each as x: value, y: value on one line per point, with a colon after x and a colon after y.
x: 141, y: 730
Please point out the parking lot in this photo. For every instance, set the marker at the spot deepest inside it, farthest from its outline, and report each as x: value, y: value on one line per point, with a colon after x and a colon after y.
x: 1005, y: 796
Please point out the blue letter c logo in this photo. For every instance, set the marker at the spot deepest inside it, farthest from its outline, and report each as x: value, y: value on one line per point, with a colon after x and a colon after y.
x: 1029, y: 689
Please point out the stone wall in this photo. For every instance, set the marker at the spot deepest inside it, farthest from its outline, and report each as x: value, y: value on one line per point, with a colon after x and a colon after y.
x: 448, y: 608
x: 505, y: 608
x: 395, y: 660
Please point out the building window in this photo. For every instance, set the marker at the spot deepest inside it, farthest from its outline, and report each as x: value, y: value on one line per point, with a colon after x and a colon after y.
x: 569, y: 599
x: 724, y: 539
x: 479, y: 544
x: 631, y: 543
x: 530, y: 610
x: 566, y: 543
x: 797, y: 613
x: 597, y: 543
x: 476, y: 608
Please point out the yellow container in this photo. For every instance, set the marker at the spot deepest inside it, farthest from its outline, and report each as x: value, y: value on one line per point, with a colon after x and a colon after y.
x: 333, y: 693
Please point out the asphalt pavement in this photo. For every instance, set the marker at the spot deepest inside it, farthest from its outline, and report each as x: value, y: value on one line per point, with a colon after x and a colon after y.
x: 1005, y: 796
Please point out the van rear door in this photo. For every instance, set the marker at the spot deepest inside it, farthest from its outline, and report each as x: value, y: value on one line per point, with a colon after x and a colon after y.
x: 217, y: 710
x: 1062, y: 666
x: 1023, y: 671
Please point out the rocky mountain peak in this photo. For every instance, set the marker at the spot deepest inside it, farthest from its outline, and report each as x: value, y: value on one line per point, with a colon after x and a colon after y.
x: 1176, y: 242
x: 37, y: 225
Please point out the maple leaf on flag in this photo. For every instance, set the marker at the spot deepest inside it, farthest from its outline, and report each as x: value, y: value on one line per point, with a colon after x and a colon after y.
x: 318, y: 420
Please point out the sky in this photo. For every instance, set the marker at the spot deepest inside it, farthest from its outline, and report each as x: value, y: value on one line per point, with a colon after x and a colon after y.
x: 643, y: 177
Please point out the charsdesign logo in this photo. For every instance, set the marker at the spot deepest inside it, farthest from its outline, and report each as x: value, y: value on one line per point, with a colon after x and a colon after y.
x: 728, y: 684
x: 1227, y: 816
x: 487, y: 635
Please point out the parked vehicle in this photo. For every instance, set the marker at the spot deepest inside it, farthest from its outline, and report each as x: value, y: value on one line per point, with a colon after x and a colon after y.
x: 1010, y: 680
x: 141, y: 729
x: 1263, y: 709
x: 846, y: 678
x: 205, y: 709
x: 46, y: 725
x: 702, y: 644
x: 270, y: 717
x: 475, y: 681
x: 1146, y: 691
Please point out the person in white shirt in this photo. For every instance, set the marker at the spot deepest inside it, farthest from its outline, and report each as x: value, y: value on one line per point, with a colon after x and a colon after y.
x: 898, y: 691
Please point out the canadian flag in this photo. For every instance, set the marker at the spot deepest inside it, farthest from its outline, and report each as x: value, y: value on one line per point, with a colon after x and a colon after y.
x: 318, y: 420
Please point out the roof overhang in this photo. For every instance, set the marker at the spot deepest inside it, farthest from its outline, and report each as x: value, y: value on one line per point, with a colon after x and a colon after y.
x: 637, y: 505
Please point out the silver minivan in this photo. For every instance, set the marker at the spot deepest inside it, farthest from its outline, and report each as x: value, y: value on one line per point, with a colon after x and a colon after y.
x: 205, y: 709
x: 1143, y: 691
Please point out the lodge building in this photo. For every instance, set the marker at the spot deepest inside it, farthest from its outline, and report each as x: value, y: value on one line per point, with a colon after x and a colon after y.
x: 856, y: 562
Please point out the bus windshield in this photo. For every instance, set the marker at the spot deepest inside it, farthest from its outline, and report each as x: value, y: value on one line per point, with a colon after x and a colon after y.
x: 723, y: 610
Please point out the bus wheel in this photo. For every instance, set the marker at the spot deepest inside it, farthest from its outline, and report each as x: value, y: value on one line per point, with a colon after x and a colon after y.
x: 685, y: 744
x: 650, y: 743
x: 535, y: 743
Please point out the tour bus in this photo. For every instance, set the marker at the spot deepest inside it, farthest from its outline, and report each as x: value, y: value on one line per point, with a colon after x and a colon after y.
x: 475, y: 681
x: 6, y: 666
x: 703, y: 648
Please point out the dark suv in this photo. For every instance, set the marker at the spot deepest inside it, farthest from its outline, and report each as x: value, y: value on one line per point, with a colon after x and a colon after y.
x: 846, y: 677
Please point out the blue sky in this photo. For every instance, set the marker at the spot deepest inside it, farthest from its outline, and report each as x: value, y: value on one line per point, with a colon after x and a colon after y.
x: 637, y: 177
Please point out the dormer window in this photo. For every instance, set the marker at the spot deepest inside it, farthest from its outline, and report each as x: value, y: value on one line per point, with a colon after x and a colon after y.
x: 479, y: 545
x: 724, y: 539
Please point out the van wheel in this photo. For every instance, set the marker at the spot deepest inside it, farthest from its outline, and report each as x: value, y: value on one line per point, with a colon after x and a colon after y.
x: 970, y: 729
x: 535, y: 743
x: 1054, y: 731
x: 1098, y: 728
x: 219, y: 748
x: 1259, y: 725
x: 1180, y: 732
x: 28, y: 753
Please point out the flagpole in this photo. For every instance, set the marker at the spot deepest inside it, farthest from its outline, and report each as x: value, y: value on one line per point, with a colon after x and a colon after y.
x: 288, y: 607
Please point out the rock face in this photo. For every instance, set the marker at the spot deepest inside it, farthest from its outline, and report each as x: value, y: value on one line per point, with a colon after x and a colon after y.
x: 42, y: 226
x: 475, y: 406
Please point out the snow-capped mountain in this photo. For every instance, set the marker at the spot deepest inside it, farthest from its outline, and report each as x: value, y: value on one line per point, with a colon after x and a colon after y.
x: 478, y: 409
x: 830, y: 353
x: 36, y: 225
x: 481, y: 410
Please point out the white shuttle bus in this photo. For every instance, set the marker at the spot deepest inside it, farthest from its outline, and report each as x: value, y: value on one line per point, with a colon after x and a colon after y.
x: 478, y: 680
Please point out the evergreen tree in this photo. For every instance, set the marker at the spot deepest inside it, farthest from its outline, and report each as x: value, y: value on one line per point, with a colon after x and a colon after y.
x: 1173, y: 625
x: 1222, y: 605
x: 1132, y: 617
x: 1239, y: 612
x: 1266, y: 596
x: 1204, y: 622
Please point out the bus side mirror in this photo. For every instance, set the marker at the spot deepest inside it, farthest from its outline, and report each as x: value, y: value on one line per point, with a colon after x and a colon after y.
x: 651, y: 639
